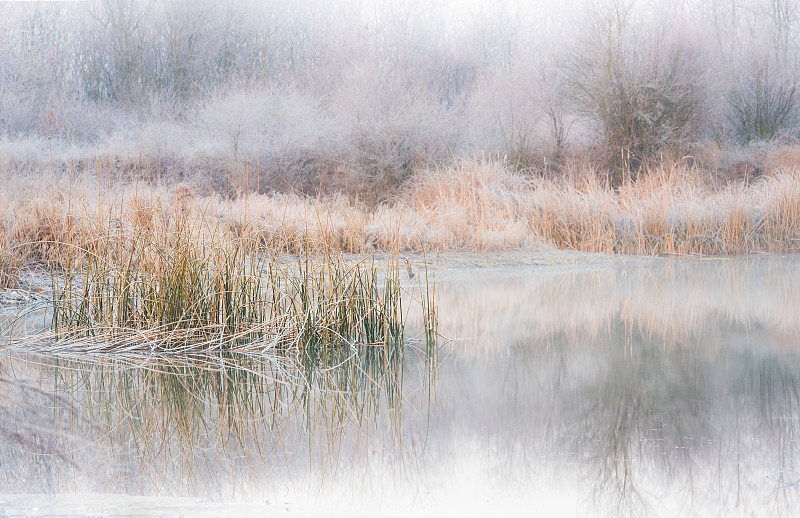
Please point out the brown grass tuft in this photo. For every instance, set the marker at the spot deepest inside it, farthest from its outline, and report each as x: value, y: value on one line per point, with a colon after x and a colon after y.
x: 479, y: 204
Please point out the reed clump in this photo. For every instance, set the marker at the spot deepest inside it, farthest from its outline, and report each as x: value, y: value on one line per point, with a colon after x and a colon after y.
x: 10, y: 268
x: 170, y: 290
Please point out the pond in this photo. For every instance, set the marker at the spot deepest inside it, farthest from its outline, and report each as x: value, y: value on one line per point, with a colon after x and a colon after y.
x: 568, y: 384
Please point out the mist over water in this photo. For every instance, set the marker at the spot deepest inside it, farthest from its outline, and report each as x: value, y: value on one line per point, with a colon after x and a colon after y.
x: 573, y: 384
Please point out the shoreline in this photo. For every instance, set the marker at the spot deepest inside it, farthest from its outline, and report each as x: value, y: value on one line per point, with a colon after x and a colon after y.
x: 470, y: 206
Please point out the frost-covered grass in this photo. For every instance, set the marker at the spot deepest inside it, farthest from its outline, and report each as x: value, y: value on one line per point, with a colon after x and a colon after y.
x: 473, y: 205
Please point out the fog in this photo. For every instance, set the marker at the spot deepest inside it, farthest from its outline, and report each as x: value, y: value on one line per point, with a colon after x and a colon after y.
x: 388, y: 87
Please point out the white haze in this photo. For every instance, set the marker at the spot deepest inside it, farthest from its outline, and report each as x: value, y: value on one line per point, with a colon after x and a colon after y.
x: 380, y: 84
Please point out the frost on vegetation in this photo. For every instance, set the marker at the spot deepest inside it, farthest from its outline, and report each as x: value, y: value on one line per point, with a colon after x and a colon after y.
x: 378, y: 91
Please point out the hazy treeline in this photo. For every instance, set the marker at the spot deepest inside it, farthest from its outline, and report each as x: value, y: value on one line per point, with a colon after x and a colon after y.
x: 383, y: 88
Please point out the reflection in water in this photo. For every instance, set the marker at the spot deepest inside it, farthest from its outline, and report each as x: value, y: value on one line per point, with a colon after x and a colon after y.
x: 216, y: 426
x: 646, y: 388
x: 665, y: 300
x: 650, y: 388
x: 29, y: 428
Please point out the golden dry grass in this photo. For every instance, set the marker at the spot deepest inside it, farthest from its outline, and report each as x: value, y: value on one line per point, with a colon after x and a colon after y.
x: 670, y: 210
x: 476, y: 205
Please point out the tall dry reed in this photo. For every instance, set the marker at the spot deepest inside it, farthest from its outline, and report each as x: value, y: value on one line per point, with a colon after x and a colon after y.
x: 470, y: 205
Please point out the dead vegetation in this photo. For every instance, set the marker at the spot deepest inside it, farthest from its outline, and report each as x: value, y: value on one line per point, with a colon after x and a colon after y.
x: 678, y: 207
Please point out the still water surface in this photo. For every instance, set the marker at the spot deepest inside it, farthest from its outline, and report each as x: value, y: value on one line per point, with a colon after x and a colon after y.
x: 572, y: 386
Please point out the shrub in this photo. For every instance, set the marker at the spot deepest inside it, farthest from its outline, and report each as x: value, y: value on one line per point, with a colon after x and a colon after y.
x: 392, y: 126
x: 644, y: 95
x: 763, y: 103
x: 504, y: 114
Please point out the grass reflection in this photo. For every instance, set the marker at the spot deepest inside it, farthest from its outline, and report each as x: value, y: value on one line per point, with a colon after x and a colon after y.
x: 211, y: 424
x: 673, y: 301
